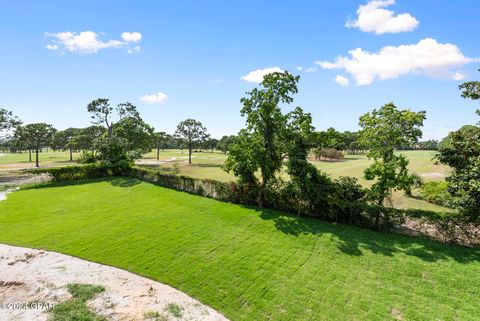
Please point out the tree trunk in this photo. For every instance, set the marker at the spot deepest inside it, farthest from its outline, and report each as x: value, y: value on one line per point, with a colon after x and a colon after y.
x: 189, y: 150
x: 158, y: 153
x: 71, y: 156
x: 30, y: 155
x: 36, y: 156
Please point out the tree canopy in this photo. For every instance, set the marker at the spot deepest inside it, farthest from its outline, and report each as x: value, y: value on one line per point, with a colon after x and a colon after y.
x: 193, y: 132
x: 384, y: 130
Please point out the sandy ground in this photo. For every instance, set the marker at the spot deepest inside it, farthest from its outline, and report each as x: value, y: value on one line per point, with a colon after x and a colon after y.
x: 39, y: 278
x: 432, y: 175
x: 150, y: 161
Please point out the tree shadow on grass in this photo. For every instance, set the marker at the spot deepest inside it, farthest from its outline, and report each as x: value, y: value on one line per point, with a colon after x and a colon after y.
x: 124, y: 182
x: 114, y: 180
x: 355, y: 241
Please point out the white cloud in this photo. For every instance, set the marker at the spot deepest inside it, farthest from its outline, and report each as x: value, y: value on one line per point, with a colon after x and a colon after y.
x: 157, y: 98
x: 342, y: 81
x: 85, y: 42
x: 427, y: 57
x: 311, y: 69
x: 257, y: 75
x: 132, y: 36
x: 134, y: 49
x: 371, y: 17
x: 299, y: 68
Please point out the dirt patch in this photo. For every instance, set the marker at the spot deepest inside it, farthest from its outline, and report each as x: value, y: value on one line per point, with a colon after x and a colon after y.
x: 432, y: 175
x: 41, y: 277
x: 149, y: 161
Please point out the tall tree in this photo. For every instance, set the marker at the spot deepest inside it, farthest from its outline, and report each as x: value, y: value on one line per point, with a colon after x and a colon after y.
x: 461, y: 151
x: 384, y: 130
x: 102, y: 113
x: 160, y: 141
x: 265, y: 127
x: 225, y: 142
x: 192, y: 131
x: 38, y: 135
x: 135, y: 135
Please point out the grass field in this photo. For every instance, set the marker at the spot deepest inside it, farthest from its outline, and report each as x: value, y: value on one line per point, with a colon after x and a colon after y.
x: 249, y: 264
x: 209, y: 165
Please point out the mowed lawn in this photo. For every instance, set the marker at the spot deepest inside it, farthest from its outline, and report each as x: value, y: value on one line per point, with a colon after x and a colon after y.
x: 249, y: 264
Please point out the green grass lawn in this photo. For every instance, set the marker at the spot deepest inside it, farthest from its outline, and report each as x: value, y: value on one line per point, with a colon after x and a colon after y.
x: 248, y: 263
x: 49, y: 157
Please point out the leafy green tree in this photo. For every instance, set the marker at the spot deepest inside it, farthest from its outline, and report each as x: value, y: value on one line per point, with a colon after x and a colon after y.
x: 7, y: 121
x: 462, y: 154
x: 87, y: 138
x: 193, y: 132
x: 471, y: 90
x: 135, y: 134
x: 38, y: 135
x: 160, y: 141
x: 264, y: 138
x: 384, y: 130
x: 461, y: 151
x: 59, y: 141
x: 330, y: 139
x: 102, y: 113
x: 225, y: 142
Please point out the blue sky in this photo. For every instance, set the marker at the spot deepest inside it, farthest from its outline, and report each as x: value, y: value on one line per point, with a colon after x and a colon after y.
x: 195, y: 52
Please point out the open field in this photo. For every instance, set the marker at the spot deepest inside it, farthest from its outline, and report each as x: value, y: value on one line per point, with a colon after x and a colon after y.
x: 209, y: 165
x: 247, y: 263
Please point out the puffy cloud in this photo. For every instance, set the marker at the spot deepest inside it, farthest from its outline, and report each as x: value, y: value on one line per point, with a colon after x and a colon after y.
x: 342, y: 81
x: 372, y: 17
x: 256, y: 76
x: 86, y: 42
x: 132, y: 36
x: 157, y: 98
x: 427, y: 57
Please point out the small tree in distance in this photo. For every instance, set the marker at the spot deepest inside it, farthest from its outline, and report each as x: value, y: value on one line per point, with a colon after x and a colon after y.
x: 384, y: 130
x: 192, y: 131
x: 160, y: 141
x: 37, y: 135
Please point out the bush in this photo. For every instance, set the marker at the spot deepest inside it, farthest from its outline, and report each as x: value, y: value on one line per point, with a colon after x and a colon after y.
x: 70, y: 173
x: 87, y: 158
x: 328, y: 153
x: 437, y: 193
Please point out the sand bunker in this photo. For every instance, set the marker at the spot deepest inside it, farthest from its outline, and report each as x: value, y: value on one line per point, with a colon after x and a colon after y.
x: 38, y: 278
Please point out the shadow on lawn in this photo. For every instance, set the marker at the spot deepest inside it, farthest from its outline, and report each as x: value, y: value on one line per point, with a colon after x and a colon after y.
x: 124, y: 182
x: 355, y: 241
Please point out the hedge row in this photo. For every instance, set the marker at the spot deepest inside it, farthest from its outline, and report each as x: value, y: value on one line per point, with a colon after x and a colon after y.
x: 450, y: 227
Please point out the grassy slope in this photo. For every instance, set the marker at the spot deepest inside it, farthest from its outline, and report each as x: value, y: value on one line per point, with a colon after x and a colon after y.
x: 247, y: 263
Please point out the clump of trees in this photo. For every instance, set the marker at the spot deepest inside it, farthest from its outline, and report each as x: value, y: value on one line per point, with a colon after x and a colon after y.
x: 461, y: 151
x: 271, y: 140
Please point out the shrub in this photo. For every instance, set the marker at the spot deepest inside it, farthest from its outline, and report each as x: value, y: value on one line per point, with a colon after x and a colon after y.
x: 437, y: 193
x: 70, y: 173
x: 328, y: 153
x: 87, y: 158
